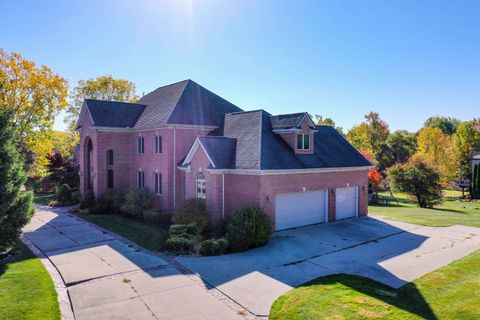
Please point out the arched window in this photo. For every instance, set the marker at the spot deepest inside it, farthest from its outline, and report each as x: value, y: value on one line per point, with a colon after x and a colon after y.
x: 109, y: 157
x: 200, y: 184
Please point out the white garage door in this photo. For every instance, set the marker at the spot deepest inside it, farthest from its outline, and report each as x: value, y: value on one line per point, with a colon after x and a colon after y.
x: 346, y: 202
x: 300, y: 209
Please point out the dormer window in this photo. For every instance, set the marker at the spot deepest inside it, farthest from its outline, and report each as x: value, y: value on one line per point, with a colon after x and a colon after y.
x: 303, y: 141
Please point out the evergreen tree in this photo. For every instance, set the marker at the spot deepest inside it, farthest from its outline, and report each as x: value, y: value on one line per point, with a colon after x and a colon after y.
x: 16, y: 206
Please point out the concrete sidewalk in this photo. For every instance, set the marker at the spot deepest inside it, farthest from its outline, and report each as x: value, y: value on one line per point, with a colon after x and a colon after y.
x: 110, y: 278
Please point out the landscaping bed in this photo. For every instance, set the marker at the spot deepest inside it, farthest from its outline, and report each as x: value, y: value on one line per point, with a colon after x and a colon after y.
x: 26, y: 289
x: 450, y: 292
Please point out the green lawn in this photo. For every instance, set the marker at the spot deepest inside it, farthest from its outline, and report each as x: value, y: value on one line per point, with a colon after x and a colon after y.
x: 26, y: 289
x: 43, y: 198
x: 439, y: 216
x: 451, y: 292
x: 150, y: 236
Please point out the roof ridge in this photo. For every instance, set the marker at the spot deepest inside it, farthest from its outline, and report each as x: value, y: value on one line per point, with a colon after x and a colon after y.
x: 114, y: 101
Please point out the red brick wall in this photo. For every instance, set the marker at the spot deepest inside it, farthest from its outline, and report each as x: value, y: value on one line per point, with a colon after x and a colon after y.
x: 274, y: 184
x: 213, y: 184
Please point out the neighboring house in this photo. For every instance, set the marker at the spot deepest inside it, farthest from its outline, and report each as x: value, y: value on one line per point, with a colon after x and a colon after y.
x: 183, y: 141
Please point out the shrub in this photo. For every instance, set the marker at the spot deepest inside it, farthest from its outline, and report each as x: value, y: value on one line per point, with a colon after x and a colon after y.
x: 213, y: 247
x: 178, y: 229
x: 179, y: 245
x: 88, y: 200
x: 192, y: 210
x: 76, y: 198
x: 64, y: 194
x: 417, y: 179
x: 137, y: 201
x: 156, y: 216
x: 113, y: 200
x: 475, y: 183
x: 249, y: 227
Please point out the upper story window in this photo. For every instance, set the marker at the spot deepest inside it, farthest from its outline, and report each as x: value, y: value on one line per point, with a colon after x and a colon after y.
x: 110, y: 158
x: 303, y: 141
x: 141, y: 180
x: 200, y: 184
x: 140, y: 145
x: 158, y: 183
x: 158, y: 145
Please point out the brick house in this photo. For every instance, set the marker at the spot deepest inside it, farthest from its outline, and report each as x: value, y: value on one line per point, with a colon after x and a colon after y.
x: 183, y: 141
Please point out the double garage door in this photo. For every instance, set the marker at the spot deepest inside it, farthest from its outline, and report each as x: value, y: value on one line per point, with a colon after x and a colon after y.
x: 300, y: 209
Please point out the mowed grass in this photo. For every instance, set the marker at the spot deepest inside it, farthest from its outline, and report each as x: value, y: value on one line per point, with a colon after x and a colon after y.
x: 43, y: 198
x: 451, y: 292
x: 440, y: 216
x: 26, y: 289
x: 150, y: 236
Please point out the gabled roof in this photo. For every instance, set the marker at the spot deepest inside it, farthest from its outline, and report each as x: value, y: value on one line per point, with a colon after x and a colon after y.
x: 259, y: 147
x: 111, y: 113
x: 219, y: 150
x: 290, y: 121
x: 185, y: 102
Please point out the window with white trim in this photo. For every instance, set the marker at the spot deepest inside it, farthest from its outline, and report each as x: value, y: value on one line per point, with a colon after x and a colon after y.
x: 158, y: 145
x: 158, y: 183
x: 200, y: 186
x: 303, y: 141
x: 140, y: 145
x: 141, y: 180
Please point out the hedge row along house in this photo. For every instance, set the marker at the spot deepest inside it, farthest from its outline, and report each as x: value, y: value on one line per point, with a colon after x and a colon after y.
x: 184, y: 141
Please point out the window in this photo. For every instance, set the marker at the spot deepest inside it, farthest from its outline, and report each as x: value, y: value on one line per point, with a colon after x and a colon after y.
x: 141, y: 180
x: 110, y: 179
x: 158, y: 144
x: 303, y: 141
x: 140, y: 145
x: 158, y: 183
x: 110, y: 158
x: 200, y: 183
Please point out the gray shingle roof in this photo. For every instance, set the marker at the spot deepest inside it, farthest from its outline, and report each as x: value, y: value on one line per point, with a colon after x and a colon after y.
x: 221, y: 151
x: 114, y: 114
x: 287, y: 121
x: 185, y: 102
x: 258, y: 147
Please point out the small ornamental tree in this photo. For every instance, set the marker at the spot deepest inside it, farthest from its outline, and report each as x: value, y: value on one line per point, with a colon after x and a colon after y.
x: 374, y: 177
x: 417, y: 179
x: 16, y: 206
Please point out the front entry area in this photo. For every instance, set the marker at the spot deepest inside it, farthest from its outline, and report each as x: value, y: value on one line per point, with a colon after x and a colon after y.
x: 346, y: 202
x: 300, y: 209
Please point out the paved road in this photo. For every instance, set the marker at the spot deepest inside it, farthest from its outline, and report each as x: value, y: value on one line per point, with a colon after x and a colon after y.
x: 108, y: 278
x: 394, y: 253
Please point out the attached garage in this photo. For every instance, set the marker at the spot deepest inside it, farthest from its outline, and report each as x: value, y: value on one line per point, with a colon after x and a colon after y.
x: 346, y: 202
x: 299, y: 209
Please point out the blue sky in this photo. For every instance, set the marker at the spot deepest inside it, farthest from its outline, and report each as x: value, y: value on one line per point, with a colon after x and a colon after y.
x: 405, y: 59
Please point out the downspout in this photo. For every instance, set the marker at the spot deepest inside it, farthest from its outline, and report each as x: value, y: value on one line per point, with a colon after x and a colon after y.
x: 174, y: 167
x: 223, y: 196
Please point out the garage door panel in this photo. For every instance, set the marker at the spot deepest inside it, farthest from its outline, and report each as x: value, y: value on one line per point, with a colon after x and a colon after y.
x: 346, y: 202
x: 299, y: 209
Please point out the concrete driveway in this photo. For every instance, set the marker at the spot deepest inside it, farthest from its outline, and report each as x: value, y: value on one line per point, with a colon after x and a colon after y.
x: 391, y: 252
x: 109, y: 278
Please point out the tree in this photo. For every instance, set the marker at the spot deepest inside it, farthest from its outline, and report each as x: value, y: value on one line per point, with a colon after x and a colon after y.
x: 34, y: 95
x: 436, y: 148
x: 358, y: 137
x: 466, y: 140
x: 417, y: 179
x: 60, y: 171
x: 448, y: 125
x: 64, y: 142
x: 102, y: 88
x: 321, y: 121
x: 403, y: 145
x: 475, y: 183
x: 16, y: 206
